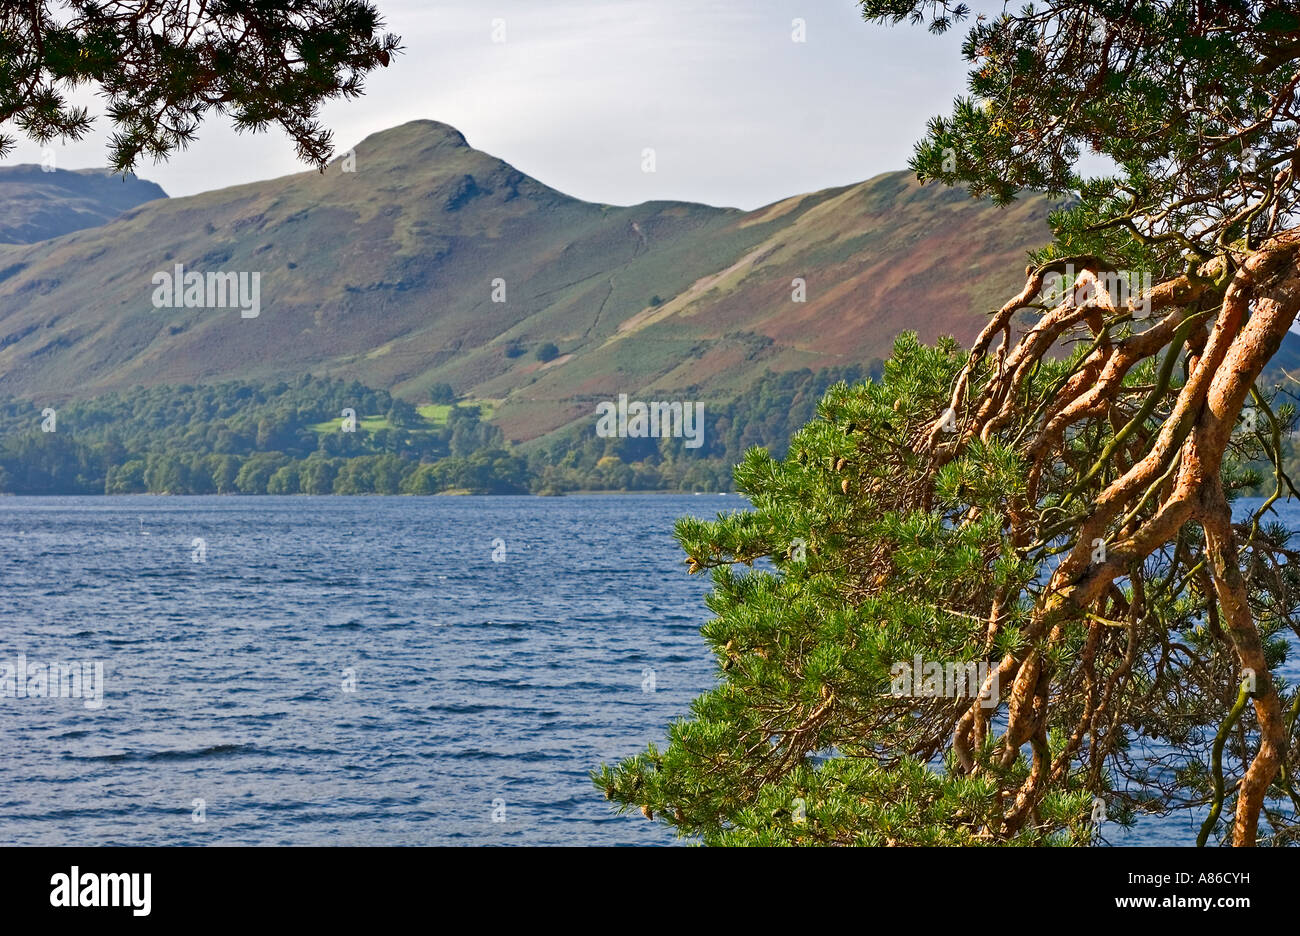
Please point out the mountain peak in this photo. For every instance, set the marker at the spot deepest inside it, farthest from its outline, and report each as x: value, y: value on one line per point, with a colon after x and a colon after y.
x: 420, y: 134
x: 394, y: 268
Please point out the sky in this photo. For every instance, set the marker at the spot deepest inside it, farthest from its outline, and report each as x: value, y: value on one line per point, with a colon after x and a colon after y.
x: 736, y: 111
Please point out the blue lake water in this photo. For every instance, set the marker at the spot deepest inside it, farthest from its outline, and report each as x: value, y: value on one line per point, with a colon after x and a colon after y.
x: 352, y: 671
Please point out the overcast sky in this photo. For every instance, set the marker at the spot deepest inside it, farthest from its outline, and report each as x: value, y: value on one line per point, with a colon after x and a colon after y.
x: 737, y: 112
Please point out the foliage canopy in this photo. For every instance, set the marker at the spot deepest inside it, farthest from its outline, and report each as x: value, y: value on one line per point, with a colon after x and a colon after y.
x: 162, y: 66
x: 1049, y: 509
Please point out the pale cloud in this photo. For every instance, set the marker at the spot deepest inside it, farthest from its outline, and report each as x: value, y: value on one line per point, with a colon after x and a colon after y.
x: 737, y: 112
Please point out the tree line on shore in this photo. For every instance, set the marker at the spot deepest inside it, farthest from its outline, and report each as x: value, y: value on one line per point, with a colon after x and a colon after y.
x: 287, y: 437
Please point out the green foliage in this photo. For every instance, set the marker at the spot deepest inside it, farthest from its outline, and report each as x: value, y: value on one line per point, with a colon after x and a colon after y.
x: 284, y: 437
x: 442, y: 394
x: 1192, y: 103
x: 766, y: 415
x: 806, y: 649
x: 249, y: 438
x: 162, y: 67
x: 1080, y: 544
x: 843, y: 577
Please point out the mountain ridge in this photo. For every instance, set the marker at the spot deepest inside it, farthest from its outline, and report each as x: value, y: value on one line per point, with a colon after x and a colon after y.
x: 39, y: 203
x: 386, y: 274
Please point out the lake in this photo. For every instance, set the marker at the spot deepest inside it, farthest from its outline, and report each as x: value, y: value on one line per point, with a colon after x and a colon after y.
x: 350, y: 671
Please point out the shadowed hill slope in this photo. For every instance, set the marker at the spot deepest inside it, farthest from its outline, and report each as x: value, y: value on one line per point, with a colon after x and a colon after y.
x: 388, y: 274
x: 36, y: 205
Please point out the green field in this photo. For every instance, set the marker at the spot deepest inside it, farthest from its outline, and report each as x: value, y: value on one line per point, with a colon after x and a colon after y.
x: 433, y: 414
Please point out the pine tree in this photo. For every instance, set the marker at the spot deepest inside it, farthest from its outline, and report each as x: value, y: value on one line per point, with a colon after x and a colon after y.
x: 163, y: 66
x: 1054, y: 502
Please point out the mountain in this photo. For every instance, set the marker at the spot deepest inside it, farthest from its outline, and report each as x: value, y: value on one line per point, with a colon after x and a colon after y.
x: 387, y: 274
x: 36, y: 204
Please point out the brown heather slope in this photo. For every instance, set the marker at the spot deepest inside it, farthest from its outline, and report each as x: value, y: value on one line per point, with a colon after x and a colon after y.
x: 385, y: 274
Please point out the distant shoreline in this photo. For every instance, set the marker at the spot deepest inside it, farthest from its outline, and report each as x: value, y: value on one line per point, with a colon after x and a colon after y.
x: 655, y: 493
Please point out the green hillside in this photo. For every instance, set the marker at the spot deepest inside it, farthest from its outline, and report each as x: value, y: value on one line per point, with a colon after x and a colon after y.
x: 385, y: 275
